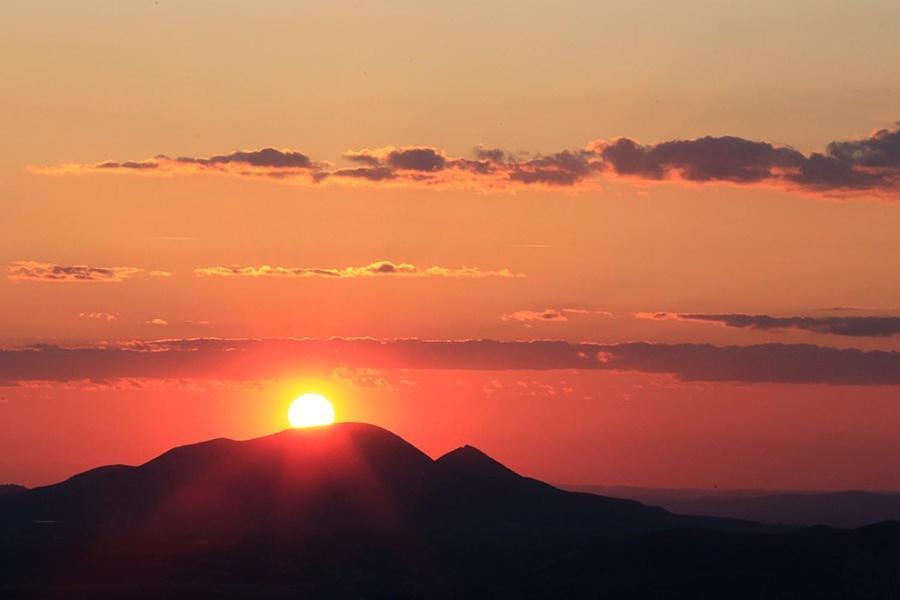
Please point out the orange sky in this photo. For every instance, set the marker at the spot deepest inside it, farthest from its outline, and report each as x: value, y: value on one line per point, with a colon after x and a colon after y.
x: 571, y: 234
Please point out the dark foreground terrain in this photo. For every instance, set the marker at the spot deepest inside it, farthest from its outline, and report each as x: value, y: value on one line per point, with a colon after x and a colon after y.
x: 352, y: 510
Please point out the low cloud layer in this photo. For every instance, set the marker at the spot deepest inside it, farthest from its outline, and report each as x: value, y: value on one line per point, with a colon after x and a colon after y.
x: 27, y: 270
x: 380, y: 268
x: 549, y: 315
x: 251, y: 359
x: 852, y: 326
x: 869, y: 165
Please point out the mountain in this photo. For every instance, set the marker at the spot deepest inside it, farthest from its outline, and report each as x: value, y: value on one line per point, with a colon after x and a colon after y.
x: 319, y: 480
x: 846, y: 509
x: 352, y: 510
x: 349, y: 477
x: 11, y: 488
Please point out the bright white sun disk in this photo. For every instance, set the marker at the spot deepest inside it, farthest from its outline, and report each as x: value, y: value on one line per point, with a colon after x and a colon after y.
x: 310, y: 410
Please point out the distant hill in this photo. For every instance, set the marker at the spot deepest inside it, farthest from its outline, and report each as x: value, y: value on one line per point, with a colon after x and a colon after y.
x: 846, y: 509
x: 352, y: 510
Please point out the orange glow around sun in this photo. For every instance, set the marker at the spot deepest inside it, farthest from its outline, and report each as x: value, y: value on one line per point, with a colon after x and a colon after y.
x: 310, y: 410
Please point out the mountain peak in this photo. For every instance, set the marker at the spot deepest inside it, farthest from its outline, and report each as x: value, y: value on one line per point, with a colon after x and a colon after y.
x: 472, y: 461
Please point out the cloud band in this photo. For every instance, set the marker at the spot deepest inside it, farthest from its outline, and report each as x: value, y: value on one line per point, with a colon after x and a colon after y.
x: 247, y: 359
x: 869, y: 165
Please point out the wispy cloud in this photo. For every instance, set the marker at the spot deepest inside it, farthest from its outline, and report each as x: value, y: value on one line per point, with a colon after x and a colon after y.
x: 869, y: 165
x: 264, y: 162
x: 376, y: 269
x: 98, y: 316
x: 852, y: 326
x: 550, y: 314
x: 27, y: 270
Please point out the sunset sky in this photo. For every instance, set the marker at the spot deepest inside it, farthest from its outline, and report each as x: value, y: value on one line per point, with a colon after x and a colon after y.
x: 611, y: 242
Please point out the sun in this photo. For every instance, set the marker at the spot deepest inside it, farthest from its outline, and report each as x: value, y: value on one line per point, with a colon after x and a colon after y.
x: 310, y: 410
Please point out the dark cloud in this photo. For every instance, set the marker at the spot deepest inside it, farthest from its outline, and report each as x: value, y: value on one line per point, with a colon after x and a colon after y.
x: 705, y: 159
x: 482, y: 167
x: 267, y: 157
x: 869, y: 165
x: 492, y: 154
x: 861, y: 326
x: 564, y: 168
x: 776, y: 363
x: 881, y: 150
x: 416, y: 159
x: 247, y: 359
x: 409, y: 158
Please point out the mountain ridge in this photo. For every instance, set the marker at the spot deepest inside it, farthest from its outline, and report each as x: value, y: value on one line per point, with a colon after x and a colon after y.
x: 354, y: 510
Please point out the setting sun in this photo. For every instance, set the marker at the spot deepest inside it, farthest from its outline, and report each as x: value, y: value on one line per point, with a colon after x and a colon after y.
x: 310, y: 410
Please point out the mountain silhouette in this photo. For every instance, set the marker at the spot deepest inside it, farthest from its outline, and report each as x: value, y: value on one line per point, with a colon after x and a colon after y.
x: 354, y: 510
x: 345, y: 478
x: 11, y: 488
x: 844, y: 509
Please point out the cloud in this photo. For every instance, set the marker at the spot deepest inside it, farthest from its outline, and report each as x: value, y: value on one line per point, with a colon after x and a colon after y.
x: 706, y: 159
x: 549, y: 314
x: 98, y: 316
x: 363, y: 378
x: 869, y: 165
x: 412, y: 158
x: 258, y: 359
x: 28, y: 270
x: 267, y: 157
x: 365, y: 173
x: 266, y: 162
x: 565, y: 168
x: 853, y: 326
x: 375, y: 269
x: 157, y: 321
x: 657, y: 316
x: 496, y: 155
x: 416, y: 159
x: 127, y: 165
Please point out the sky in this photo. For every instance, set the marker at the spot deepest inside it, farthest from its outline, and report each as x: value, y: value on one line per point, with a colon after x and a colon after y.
x: 618, y: 243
